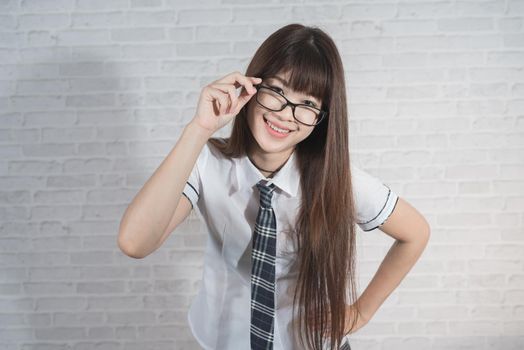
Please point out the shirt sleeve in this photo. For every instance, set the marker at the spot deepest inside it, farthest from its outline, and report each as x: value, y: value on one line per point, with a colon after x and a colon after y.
x: 374, y: 200
x: 194, y: 183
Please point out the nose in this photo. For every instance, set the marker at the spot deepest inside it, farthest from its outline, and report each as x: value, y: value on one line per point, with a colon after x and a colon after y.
x: 286, y: 114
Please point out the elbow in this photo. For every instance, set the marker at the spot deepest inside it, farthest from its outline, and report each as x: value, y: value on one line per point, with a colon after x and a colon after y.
x: 420, y: 236
x: 426, y: 233
x: 128, y: 248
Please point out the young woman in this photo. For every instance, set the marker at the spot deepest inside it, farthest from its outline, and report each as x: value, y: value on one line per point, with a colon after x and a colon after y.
x: 299, y: 155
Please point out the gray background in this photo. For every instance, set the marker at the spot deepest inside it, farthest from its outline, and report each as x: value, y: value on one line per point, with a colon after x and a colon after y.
x: 95, y: 93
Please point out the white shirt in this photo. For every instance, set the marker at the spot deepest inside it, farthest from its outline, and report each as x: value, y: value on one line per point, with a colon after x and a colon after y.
x: 224, y: 193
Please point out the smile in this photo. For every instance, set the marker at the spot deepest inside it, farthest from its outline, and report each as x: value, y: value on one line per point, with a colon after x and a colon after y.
x: 276, y: 128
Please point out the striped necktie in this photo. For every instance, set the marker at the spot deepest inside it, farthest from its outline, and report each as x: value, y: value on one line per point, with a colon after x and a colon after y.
x: 263, y: 272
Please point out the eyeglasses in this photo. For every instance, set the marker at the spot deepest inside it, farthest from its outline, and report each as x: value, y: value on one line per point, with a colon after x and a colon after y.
x: 268, y: 98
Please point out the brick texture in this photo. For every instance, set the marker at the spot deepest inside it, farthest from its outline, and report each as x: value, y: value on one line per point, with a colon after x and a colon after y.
x: 94, y: 94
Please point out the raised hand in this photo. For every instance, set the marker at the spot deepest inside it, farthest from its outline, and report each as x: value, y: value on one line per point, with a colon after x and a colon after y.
x: 219, y: 104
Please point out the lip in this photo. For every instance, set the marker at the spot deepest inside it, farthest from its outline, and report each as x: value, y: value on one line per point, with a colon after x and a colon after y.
x: 275, y: 133
x: 276, y: 124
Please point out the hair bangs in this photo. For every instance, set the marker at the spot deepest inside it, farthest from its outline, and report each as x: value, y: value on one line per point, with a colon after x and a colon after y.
x: 308, y: 73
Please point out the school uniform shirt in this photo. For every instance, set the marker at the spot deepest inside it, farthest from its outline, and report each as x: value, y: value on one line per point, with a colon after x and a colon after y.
x: 223, y: 192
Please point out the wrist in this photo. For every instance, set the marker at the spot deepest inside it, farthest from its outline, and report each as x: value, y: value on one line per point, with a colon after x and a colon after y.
x: 198, y: 132
x: 361, y: 313
x: 364, y: 314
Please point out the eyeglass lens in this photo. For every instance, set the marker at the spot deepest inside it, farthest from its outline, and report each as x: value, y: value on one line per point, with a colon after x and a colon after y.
x: 274, y: 101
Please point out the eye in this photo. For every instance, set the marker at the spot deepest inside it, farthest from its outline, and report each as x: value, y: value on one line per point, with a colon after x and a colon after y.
x: 276, y: 88
x: 313, y: 104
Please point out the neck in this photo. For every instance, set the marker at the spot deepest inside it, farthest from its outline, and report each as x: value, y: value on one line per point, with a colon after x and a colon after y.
x: 269, y: 163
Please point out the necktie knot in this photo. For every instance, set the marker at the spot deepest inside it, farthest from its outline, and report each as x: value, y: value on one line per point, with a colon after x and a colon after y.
x: 266, y: 193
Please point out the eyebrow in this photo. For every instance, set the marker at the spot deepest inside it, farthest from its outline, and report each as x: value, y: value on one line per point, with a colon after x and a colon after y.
x: 286, y: 84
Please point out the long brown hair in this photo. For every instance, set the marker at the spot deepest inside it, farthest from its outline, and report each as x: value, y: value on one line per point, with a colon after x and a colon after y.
x: 325, y: 226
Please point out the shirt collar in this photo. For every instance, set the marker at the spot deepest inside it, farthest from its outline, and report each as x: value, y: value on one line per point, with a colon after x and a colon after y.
x: 286, y: 179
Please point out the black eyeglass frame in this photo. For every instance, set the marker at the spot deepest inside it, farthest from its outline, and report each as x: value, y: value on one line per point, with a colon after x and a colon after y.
x: 322, y: 114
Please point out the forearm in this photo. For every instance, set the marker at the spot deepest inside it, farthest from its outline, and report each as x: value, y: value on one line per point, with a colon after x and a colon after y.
x: 149, y: 213
x: 396, y: 264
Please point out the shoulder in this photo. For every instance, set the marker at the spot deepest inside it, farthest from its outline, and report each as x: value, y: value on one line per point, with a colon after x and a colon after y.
x: 360, y: 178
x: 374, y: 200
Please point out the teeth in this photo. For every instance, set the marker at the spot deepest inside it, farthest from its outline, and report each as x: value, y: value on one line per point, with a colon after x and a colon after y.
x: 277, y: 129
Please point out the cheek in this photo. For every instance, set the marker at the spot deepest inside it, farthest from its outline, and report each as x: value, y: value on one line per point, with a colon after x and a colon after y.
x: 254, y: 118
x: 257, y: 126
x: 304, y: 134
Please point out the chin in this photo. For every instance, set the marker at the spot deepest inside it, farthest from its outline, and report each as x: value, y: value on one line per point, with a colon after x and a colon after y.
x: 268, y: 145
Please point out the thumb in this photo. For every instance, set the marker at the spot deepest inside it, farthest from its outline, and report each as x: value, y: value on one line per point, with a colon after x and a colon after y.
x: 244, y: 97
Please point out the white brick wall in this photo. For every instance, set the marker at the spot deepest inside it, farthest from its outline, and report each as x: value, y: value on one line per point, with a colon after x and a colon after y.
x: 94, y: 94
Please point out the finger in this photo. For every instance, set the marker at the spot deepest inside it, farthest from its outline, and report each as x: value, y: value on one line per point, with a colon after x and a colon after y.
x: 248, y: 89
x: 239, y: 79
x: 220, y: 98
x: 245, y: 94
x: 244, y: 97
x: 250, y: 82
x: 231, y: 91
x: 222, y: 103
x: 216, y: 105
